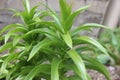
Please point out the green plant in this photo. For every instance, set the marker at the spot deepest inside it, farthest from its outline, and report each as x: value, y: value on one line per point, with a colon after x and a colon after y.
x: 110, y: 39
x: 48, y: 49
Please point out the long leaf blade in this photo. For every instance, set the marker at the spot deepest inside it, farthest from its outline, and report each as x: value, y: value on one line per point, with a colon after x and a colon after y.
x: 87, y: 27
x: 96, y: 65
x: 9, y: 27
x: 71, y: 18
x: 93, y: 42
x: 65, y: 9
x: 26, y: 5
x: 16, y: 39
x: 79, y: 63
x: 55, y: 69
x: 5, y: 46
x: 37, y: 47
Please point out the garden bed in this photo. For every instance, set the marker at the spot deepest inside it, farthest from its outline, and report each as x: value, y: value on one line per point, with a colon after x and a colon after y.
x: 114, y: 72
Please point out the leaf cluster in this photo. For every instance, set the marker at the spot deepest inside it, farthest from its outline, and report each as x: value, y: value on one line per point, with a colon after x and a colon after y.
x: 110, y: 39
x: 47, y: 49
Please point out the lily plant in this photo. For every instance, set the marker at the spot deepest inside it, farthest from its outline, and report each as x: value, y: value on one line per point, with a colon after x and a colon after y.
x: 40, y: 49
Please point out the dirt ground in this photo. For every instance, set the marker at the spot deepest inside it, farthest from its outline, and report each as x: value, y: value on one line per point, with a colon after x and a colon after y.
x: 114, y: 73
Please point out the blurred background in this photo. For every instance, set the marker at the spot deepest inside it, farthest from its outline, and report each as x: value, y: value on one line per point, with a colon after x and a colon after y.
x: 97, y: 13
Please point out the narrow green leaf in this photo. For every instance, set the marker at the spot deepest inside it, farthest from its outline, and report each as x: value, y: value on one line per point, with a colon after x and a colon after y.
x: 49, y: 33
x: 87, y: 26
x: 20, y: 77
x: 16, y: 39
x: 14, y: 32
x: 79, y: 63
x: 67, y: 39
x: 7, y: 60
x: 65, y: 9
x: 32, y: 11
x: 19, y: 71
x: 40, y: 15
x: 52, y: 35
x: 85, y: 48
x: 58, y: 23
x: 93, y: 42
x: 55, y: 69
x: 69, y: 21
x: 19, y: 30
x: 8, y: 36
x: 78, y: 11
x: 57, y: 19
x: 21, y: 54
x: 10, y: 27
x: 5, y: 46
x: 96, y: 65
x: 34, y: 31
x: 26, y: 5
x: 36, y: 70
x: 37, y: 47
x: 76, y: 70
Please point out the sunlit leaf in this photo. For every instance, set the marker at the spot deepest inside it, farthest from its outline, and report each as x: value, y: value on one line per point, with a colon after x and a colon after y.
x: 65, y: 9
x: 16, y: 39
x: 5, y: 46
x: 67, y: 39
x: 55, y: 69
x: 26, y: 5
x: 10, y: 27
x: 79, y: 63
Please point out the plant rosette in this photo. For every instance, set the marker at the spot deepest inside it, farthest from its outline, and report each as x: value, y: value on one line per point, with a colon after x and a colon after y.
x: 48, y: 49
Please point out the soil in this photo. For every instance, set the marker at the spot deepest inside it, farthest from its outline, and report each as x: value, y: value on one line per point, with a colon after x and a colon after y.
x: 114, y: 73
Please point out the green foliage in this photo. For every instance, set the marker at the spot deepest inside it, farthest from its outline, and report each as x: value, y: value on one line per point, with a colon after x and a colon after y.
x: 48, y: 49
x: 110, y: 39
